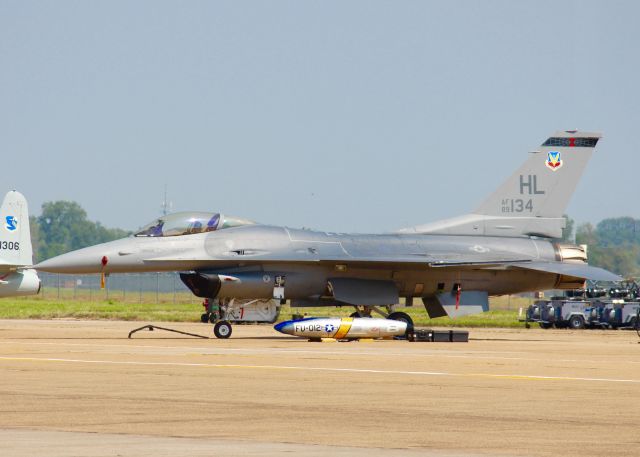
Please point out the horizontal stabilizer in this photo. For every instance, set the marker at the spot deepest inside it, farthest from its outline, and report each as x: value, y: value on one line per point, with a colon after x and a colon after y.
x: 578, y: 270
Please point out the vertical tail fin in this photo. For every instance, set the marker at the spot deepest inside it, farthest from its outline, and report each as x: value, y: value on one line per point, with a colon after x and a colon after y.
x: 532, y: 201
x: 543, y: 185
x: 15, y: 237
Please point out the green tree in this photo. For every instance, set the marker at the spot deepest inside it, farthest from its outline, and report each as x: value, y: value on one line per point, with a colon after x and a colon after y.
x: 611, y: 245
x: 619, y: 231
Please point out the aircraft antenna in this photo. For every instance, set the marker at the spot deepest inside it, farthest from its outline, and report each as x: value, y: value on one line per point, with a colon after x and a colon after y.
x: 166, y: 205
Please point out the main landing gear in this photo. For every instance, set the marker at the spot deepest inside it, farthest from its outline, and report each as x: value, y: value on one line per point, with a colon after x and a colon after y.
x: 365, y: 311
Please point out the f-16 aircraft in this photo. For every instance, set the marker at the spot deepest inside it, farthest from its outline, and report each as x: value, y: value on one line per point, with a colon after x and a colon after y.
x: 15, y: 248
x: 506, y: 246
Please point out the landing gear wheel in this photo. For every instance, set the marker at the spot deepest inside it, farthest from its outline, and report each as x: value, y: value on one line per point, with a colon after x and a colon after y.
x: 222, y: 329
x: 402, y: 317
x: 204, y: 318
x: 576, y: 322
x: 213, y: 318
x: 545, y: 325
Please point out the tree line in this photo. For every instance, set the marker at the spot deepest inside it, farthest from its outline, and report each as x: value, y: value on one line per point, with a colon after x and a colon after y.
x: 613, y: 244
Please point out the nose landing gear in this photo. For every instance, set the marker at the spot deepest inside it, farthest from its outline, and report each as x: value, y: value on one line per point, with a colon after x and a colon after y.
x: 216, y: 313
x: 222, y: 329
x: 219, y: 319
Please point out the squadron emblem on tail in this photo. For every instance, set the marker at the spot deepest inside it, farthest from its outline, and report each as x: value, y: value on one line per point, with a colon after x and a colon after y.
x: 553, y: 160
x: 12, y: 223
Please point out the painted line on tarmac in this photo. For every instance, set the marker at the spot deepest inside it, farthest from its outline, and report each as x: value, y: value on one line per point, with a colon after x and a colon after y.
x: 450, y: 354
x: 253, y: 351
x: 326, y: 369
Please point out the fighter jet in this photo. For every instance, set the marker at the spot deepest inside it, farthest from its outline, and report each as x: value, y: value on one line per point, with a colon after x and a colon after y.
x: 507, y: 245
x: 16, y: 278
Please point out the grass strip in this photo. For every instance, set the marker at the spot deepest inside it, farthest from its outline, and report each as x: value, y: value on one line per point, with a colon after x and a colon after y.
x: 166, y: 310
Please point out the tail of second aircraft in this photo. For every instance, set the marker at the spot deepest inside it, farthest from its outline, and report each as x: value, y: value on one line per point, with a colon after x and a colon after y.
x: 15, y: 236
x: 15, y: 249
x: 531, y: 202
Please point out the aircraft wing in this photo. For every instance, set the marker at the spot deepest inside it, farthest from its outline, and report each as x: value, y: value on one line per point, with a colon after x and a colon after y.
x: 579, y: 270
x: 442, y: 259
x: 492, y: 259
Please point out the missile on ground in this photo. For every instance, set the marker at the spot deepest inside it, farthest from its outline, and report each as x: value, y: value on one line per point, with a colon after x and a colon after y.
x: 342, y: 328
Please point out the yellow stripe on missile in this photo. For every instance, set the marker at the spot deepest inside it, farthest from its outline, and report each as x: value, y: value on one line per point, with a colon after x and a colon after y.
x: 345, y: 326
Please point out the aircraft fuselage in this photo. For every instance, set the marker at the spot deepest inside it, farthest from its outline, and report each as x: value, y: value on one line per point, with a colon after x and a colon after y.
x: 257, y: 254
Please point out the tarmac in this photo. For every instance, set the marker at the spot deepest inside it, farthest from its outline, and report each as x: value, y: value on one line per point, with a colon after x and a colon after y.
x: 82, y: 388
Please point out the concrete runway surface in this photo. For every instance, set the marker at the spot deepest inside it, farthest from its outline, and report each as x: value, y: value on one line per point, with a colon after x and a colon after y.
x: 81, y: 388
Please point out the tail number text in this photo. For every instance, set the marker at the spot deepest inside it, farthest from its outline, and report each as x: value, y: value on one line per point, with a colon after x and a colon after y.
x: 516, y: 205
x: 10, y: 245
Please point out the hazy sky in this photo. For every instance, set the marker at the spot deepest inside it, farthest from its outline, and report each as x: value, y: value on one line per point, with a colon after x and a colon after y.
x: 349, y: 115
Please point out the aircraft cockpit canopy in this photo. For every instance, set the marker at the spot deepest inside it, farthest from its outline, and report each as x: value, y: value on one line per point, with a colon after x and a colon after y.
x: 188, y: 223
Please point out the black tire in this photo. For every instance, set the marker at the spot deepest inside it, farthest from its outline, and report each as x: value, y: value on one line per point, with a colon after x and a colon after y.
x: 222, y: 329
x: 213, y: 318
x: 204, y: 318
x: 402, y: 317
x: 545, y: 325
x: 576, y: 322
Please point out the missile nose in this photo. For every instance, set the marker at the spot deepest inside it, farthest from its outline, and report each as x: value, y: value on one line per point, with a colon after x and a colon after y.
x: 285, y: 327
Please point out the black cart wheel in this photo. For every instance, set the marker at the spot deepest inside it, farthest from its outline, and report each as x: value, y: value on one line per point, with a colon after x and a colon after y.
x: 222, y: 329
x: 402, y: 317
x: 576, y: 322
x: 204, y: 318
x: 545, y: 325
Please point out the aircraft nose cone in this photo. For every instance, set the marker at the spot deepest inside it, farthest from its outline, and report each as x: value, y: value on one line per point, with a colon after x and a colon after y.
x: 285, y: 327
x: 107, y: 257
x: 86, y: 260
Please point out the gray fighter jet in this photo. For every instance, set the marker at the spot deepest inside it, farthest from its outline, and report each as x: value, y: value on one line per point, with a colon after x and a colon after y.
x: 506, y: 246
